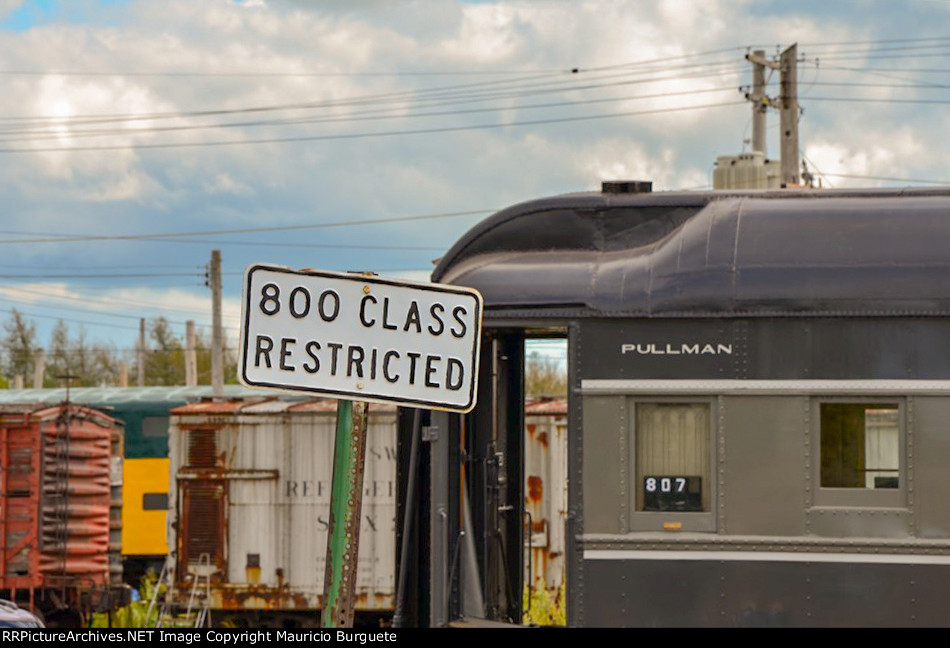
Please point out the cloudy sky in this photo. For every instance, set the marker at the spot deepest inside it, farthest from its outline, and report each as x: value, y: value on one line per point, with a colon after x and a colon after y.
x: 138, y: 135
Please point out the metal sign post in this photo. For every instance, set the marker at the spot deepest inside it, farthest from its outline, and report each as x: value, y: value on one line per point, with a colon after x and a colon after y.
x: 362, y: 338
x: 339, y: 584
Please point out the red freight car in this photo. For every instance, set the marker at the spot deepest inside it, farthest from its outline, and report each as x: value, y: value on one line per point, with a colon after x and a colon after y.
x: 60, y: 480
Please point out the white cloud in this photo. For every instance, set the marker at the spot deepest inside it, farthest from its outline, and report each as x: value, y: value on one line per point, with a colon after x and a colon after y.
x: 9, y: 6
x: 894, y: 154
x: 223, y: 183
x: 307, y: 53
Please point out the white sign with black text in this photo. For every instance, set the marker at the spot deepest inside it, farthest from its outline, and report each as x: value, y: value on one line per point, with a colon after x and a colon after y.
x: 360, y: 337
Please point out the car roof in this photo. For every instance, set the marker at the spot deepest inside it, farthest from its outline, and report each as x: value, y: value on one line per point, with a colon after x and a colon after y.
x: 13, y: 616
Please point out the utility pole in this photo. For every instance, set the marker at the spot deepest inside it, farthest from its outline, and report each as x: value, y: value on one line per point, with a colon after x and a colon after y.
x: 217, y: 364
x: 787, y: 102
x: 758, y: 108
x: 140, y: 353
x: 789, y: 117
x: 191, y: 361
x: 760, y: 100
x: 39, y: 369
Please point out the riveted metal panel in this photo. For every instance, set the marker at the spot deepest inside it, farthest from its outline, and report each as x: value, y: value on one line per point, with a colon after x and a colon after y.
x: 929, y: 451
x: 606, y: 475
x: 767, y: 591
x: 60, y: 473
x: 764, y: 476
x: 575, y: 495
x: 644, y: 348
x: 860, y: 522
x: 783, y: 348
x: 726, y: 254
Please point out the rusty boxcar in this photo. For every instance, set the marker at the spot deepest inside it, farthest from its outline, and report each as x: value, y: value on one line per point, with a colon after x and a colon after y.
x: 545, y: 492
x: 249, y: 509
x: 144, y: 413
x: 60, y: 509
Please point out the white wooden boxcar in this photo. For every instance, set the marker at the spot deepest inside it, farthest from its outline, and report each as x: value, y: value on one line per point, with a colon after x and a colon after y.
x: 249, y: 508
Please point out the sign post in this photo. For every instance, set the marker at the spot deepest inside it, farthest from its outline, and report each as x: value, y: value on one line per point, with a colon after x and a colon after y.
x: 339, y: 583
x: 357, y: 338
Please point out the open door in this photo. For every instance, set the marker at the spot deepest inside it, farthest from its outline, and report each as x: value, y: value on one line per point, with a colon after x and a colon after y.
x: 496, y: 496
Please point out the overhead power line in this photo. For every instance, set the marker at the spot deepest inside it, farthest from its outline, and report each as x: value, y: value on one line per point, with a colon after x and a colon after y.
x: 54, y: 131
x: 366, y: 135
x: 361, y: 73
x: 90, y: 311
x: 887, y: 178
x: 110, y: 275
x: 884, y: 41
x: 113, y: 303
x: 524, y: 86
x: 70, y: 238
x: 271, y: 74
x: 892, y: 100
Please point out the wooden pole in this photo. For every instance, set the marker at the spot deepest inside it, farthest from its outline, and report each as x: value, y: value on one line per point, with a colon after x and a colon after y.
x: 191, y: 360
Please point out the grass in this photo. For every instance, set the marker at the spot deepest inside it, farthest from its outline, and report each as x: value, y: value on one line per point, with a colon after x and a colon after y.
x: 545, y: 609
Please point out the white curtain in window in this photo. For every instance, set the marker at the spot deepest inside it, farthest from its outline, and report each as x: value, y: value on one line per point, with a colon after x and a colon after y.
x: 672, y: 439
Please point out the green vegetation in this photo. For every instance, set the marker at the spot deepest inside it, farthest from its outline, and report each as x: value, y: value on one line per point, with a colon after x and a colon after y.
x: 544, y: 376
x: 545, y: 610
x: 95, y: 364
x: 133, y: 615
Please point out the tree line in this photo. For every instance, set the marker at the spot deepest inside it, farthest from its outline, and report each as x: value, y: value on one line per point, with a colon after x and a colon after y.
x: 89, y: 363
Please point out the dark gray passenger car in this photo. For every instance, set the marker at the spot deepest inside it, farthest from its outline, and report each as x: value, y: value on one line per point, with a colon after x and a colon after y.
x: 759, y: 392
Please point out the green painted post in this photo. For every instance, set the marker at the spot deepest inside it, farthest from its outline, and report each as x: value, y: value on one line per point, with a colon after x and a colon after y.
x: 346, y: 499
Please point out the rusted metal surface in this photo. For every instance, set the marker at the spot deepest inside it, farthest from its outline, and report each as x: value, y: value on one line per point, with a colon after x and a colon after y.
x: 57, y: 498
x: 346, y: 498
x: 76, y: 502
x: 273, y: 461
x: 545, y: 489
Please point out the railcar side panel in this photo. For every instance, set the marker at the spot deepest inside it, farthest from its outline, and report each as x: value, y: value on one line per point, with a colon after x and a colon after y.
x: 704, y: 589
x: 775, y: 348
x: 60, y: 475
x: 764, y: 468
x: 251, y: 490
x: 145, y: 493
x: 927, y: 459
x: 818, y: 449
x: 606, y: 490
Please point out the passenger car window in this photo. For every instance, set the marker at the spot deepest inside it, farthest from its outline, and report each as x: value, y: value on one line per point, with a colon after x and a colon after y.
x: 672, y: 457
x: 860, y: 445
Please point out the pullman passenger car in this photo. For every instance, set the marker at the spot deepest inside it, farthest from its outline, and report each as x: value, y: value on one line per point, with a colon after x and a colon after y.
x: 759, y: 410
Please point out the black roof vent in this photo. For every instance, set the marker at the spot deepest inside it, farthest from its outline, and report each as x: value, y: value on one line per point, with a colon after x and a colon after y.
x: 626, y: 186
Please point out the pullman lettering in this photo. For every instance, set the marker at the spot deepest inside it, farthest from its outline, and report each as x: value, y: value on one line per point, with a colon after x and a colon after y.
x: 684, y: 348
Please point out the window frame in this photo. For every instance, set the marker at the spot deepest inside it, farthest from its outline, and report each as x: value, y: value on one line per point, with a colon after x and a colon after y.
x: 823, y: 496
x: 695, y: 521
